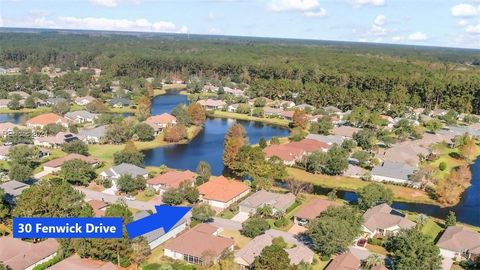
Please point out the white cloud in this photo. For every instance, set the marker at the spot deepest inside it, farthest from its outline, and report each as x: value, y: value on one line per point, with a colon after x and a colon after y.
x: 380, y: 20
x: 309, y: 8
x: 473, y: 29
x: 417, y: 36
x: 462, y: 23
x: 105, y: 3
x: 398, y: 38
x: 359, y: 3
x: 464, y: 10
x: 94, y: 23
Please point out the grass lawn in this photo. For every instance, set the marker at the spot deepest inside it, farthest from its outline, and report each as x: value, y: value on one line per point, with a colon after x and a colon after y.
x: 447, y: 155
x: 158, y: 92
x: 142, y: 197
x: 272, y: 121
x: 432, y: 228
x: 240, y: 240
x: 377, y: 249
x: 26, y: 110
x: 320, y: 265
x: 227, y: 214
x: 174, y: 86
x: 352, y: 184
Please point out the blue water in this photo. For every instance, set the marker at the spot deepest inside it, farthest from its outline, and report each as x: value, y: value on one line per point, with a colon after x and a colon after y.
x: 167, y: 102
x: 12, y: 117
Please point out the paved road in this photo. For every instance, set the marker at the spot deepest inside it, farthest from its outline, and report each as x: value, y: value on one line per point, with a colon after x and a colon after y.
x: 96, y: 195
x: 226, y: 224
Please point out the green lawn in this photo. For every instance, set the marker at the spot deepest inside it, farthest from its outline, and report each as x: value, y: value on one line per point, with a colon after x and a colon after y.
x: 142, y: 197
x: 272, y: 121
x: 353, y: 184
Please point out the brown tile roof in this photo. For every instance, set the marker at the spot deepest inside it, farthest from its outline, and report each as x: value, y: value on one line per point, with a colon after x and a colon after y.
x: 161, y: 119
x: 345, y: 131
x: 212, y: 102
x: 172, y: 179
x: 76, y: 263
x: 98, y: 207
x: 278, y: 201
x: 19, y: 255
x: 59, y: 161
x: 221, y: 189
x: 379, y: 267
x: 458, y: 238
x: 309, y: 145
x: 284, y: 152
x: 47, y: 118
x: 314, y: 208
x: 346, y: 261
x: 383, y: 216
x: 200, y: 242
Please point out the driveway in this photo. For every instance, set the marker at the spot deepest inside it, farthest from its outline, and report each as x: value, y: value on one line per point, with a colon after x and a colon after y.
x: 40, y: 175
x: 97, y: 195
x: 226, y: 224
x: 241, y: 217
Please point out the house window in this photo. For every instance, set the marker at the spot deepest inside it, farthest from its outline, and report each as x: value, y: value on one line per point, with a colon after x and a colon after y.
x: 192, y: 259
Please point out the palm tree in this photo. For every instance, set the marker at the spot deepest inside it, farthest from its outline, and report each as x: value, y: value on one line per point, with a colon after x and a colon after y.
x: 421, y: 220
x: 373, y: 260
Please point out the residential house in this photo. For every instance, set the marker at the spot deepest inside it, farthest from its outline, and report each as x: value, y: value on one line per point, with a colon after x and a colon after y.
x: 159, y: 122
x: 269, y: 111
x: 287, y: 115
x: 305, y: 107
x: 311, y: 210
x: 16, y: 254
x: 384, y: 221
x: 42, y: 120
x: 4, y: 150
x: 98, y: 207
x: 297, y: 254
x: 460, y: 243
x: 212, y: 104
x: 328, y: 139
x: 13, y: 189
x: 232, y: 107
x: 408, y: 152
x: 285, y: 104
x: 55, y: 101
x: 204, y: 246
x: 171, y: 180
x: 115, y: 172
x: 82, y: 101
x: 354, y: 171
x: 345, y: 261
x: 23, y: 95
x: 345, y: 131
x: 234, y: 91
x: 75, y: 262
x: 158, y: 236
x: 56, y: 140
x: 279, y: 202
x: 219, y: 192
x: 395, y: 172
x: 310, y: 145
x: 119, y: 102
x: 55, y: 165
x: 93, y: 135
x: 4, y: 103
x: 289, y: 155
x: 80, y: 117
x: 72, y: 93
x: 48, y: 94
x: 7, y: 128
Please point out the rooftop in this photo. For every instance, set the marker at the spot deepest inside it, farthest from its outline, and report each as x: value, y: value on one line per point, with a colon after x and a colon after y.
x: 19, y: 255
x: 458, y: 238
x: 383, y: 216
x: 172, y: 179
x: 60, y: 161
x: 278, y: 201
x: 221, y: 189
x: 314, y: 208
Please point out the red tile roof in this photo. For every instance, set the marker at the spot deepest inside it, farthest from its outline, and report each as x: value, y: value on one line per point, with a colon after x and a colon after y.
x: 309, y: 145
x: 47, y: 118
x: 59, y: 161
x: 172, y: 179
x: 200, y: 242
x: 221, y: 189
x: 98, y: 207
x: 19, y: 255
x: 164, y: 118
x: 346, y: 261
x: 314, y: 208
x: 284, y: 152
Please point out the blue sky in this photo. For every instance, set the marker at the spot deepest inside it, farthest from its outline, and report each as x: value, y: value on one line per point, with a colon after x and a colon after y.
x: 451, y: 23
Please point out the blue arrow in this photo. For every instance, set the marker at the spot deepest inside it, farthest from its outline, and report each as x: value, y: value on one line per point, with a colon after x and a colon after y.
x: 166, y: 217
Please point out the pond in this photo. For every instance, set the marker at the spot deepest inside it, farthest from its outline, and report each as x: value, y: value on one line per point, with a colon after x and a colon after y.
x: 15, y: 118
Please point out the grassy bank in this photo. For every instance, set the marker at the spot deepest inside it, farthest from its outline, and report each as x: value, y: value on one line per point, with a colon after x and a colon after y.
x: 239, y: 116
x: 403, y: 194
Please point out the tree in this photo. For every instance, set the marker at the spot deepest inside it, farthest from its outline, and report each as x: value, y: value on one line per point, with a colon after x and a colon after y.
x: 144, y: 132
x: 363, y: 158
x: 175, y: 133
x: 407, y: 242
x: 234, y: 139
x: 262, y: 143
x: 322, y: 126
x: 78, y: 172
x: 451, y: 219
x: 118, y: 132
x: 4, y: 206
x: 468, y: 150
x: 204, y: 172
x: 14, y: 103
x: 450, y: 117
x: 274, y: 140
x: 196, y: 114
x: 53, y: 129
x: 374, y: 194
x: 181, y: 114
x: 20, y: 136
x: 202, y: 213
x: 336, y: 161
x: 20, y: 172
x: 254, y: 227
x: 51, y: 198
x: 130, y: 157
x: 334, y: 230
x: 129, y: 184
x: 273, y: 257
x: 243, y: 108
x: 365, y: 138
x: 259, y: 102
x: 433, y: 125
x: 76, y: 146
x: 372, y: 260
x: 299, y: 119
x: 144, y: 106
x: 61, y: 107
x: 172, y: 197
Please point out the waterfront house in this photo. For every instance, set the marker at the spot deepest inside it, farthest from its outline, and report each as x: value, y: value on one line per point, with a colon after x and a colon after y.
x: 395, y: 172
x: 171, y: 180
x: 42, y: 120
x: 212, y: 104
x: 383, y: 220
x: 55, y: 101
x: 219, y: 192
x: 56, y: 140
x: 205, y: 246
x: 119, y: 102
x: 460, y: 243
x: 159, y: 122
x: 279, y: 202
x: 82, y: 101
x: 93, y: 135
x: 22, y: 94
x: 4, y: 103
x: 80, y: 117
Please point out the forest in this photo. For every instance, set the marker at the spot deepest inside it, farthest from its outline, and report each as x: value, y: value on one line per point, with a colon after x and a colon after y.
x: 321, y: 73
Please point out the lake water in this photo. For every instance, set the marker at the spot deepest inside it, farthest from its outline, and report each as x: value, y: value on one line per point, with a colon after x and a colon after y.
x: 208, y: 144
x: 12, y: 117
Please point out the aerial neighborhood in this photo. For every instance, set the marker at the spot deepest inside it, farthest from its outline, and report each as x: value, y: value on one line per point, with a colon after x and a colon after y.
x: 280, y: 172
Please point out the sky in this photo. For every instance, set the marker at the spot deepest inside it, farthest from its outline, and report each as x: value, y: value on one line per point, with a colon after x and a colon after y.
x: 448, y: 23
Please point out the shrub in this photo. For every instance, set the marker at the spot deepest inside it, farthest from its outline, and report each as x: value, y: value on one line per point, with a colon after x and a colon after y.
x: 442, y: 166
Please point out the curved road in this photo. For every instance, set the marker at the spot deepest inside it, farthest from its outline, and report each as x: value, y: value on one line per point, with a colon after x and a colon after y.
x: 97, y: 195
